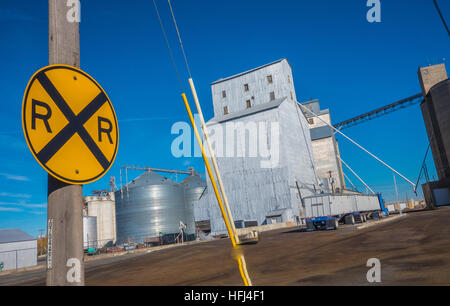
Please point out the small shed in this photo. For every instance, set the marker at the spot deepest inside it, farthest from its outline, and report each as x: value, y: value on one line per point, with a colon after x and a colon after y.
x: 17, y: 249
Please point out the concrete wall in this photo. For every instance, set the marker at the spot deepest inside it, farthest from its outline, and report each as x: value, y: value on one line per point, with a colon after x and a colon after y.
x: 437, y: 193
x: 259, y: 89
x: 16, y: 255
x: 436, y: 114
x: 265, y: 228
x: 318, y: 123
x: 325, y: 149
x: 325, y: 159
x: 430, y: 76
x: 339, y: 165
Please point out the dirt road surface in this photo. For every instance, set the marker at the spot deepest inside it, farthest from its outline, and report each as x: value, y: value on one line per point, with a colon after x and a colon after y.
x: 413, y: 250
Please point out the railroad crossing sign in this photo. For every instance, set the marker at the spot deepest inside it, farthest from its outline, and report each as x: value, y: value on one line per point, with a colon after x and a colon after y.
x: 69, y: 124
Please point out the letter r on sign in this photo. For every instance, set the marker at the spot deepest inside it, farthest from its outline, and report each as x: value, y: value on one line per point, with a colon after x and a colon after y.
x: 102, y: 129
x: 35, y: 115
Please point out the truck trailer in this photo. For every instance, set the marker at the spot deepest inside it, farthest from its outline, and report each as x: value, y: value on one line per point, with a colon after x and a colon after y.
x: 327, y: 211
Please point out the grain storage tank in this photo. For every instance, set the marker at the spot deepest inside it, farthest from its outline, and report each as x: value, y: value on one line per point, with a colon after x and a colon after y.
x: 194, y: 187
x: 103, y: 207
x: 149, y: 206
x: 89, y: 232
x: 436, y: 115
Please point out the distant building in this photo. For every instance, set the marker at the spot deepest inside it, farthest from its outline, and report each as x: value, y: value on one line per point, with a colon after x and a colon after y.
x: 17, y: 249
x: 102, y: 206
x: 436, y: 114
x: 261, y: 189
x: 408, y: 205
x: 325, y: 148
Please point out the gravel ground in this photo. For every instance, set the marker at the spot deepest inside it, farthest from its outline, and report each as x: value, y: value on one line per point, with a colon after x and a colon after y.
x: 413, y: 250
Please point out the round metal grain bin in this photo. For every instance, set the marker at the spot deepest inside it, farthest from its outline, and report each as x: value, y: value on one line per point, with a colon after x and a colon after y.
x: 194, y: 187
x: 89, y: 232
x: 147, y: 206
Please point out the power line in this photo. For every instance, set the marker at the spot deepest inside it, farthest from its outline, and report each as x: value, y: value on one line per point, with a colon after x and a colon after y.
x: 307, y: 110
x: 442, y: 17
x: 179, y: 39
x: 168, y: 46
x: 226, y: 213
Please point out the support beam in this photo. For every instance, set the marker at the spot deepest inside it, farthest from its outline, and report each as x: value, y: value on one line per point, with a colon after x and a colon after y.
x: 158, y: 170
x: 357, y: 176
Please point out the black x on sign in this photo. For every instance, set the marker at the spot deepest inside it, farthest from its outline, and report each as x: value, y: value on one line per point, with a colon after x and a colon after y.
x: 69, y: 124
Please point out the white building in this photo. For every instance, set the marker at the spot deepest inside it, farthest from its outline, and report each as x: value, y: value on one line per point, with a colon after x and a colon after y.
x: 263, y: 148
x: 325, y: 148
x: 17, y: 249
x: 103, y: 207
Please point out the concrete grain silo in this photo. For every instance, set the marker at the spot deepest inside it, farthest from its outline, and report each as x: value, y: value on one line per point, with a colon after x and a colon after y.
x: 436, y: 114
x: 102, y: 207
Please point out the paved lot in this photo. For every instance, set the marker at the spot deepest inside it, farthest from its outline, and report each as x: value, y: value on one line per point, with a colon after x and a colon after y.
x: 413, y: 250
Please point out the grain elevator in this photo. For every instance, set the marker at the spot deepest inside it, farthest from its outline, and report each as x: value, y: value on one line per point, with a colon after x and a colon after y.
x: 263, y: 147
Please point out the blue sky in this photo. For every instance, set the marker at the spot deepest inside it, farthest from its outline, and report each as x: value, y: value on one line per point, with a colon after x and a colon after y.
x: 350, y: 65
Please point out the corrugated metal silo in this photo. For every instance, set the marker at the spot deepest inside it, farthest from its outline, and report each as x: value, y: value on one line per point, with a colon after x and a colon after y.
x: 194, y: 187
x: 89, y: 232
x: 147, y: 206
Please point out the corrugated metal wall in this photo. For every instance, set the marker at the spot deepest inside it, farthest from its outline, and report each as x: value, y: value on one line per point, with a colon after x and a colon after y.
x: 90, y: 238
x: 259, y: 88
x: 331, y: 205
x: 16, y: 255
x: 253, y: 191
x: 194, y: 187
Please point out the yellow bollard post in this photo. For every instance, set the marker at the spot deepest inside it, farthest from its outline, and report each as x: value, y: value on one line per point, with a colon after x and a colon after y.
x: 213, y: 159
x: 241, y: 261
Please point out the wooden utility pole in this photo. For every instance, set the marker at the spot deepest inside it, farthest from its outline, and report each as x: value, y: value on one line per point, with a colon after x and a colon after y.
x: 65, y: 265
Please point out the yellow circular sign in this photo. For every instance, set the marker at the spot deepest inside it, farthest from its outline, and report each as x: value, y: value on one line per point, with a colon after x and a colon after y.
x: 69, y: 124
